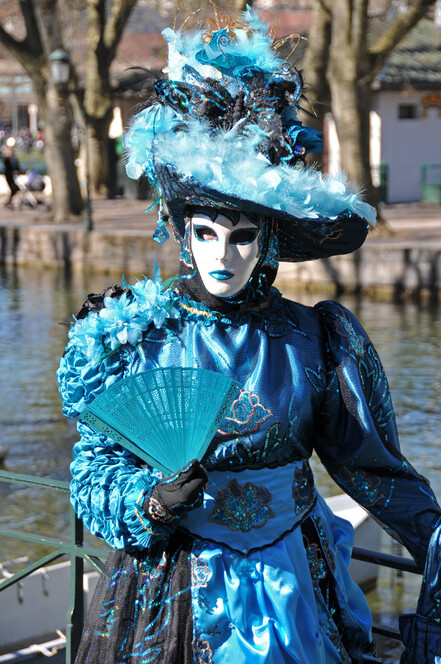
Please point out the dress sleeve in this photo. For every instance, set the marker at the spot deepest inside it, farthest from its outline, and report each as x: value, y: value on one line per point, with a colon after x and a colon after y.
x: 356, y: 436
x: 108, y: 486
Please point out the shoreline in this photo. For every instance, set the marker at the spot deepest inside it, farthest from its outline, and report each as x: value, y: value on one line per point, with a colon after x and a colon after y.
x: 403, y: 263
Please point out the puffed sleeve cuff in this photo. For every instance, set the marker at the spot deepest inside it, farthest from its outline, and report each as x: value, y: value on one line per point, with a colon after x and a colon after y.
x: 80, y: 381
x: 108, y: 489
x: 421, y: 637
x: 112, y: 507
x: 144, y: 530
x: 421, y: 631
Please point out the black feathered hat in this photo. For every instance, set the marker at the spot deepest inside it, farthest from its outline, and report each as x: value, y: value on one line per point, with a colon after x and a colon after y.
x: 224, y: 133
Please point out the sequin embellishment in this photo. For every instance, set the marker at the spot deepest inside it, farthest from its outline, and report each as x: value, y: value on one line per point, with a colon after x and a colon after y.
x: 303, y: 488
x: 203, y: 652
x: 345, y: 328
x: 315, y: 561
x: 242, y: 507
x: 141, y: 604
x: 157, y: 512
x: 245, y: 414
x: 362, y: 487
x: 200, y: 572
x: 323, y: 585
x: 185, y: 254
x: 271, y: 258
x: 324, y: 543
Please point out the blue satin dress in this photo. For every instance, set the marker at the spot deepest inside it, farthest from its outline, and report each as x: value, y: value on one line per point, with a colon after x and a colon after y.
x: 259, y: 573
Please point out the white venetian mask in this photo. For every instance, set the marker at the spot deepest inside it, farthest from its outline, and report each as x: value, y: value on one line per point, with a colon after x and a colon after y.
x: 225, y: 255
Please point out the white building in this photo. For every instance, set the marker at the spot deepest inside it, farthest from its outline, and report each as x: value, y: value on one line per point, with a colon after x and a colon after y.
x: 405, y: 121
x: 410, y: 143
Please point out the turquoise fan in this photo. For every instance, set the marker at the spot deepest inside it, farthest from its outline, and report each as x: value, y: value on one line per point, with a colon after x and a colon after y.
x: 165, y: 416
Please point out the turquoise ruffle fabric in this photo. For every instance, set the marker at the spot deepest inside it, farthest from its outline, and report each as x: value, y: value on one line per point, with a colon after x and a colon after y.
x: 80, y: 381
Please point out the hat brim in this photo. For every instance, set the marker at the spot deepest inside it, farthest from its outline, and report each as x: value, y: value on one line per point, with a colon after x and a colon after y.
x: 299, y: 239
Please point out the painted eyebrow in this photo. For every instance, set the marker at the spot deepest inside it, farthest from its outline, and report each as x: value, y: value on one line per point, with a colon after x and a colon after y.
x: 246, y: 229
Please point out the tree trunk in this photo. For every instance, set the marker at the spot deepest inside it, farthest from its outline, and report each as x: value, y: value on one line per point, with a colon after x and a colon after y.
x: 57, y: 116
x: 59, y: 155
x: 98, y: 130
x: 351, y: 115
x: 97, y: 95
x: 315, y: 64
x: 350, y: 70
x: 106, y: 22
x: 349, y: 82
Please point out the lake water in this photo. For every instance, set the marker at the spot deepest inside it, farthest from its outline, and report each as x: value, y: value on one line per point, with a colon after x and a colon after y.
x: 35, y: 309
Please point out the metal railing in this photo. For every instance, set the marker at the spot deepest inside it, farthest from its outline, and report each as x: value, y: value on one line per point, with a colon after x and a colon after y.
x: 386, y: 560
x: 73, y: 548
x: 77, y: 552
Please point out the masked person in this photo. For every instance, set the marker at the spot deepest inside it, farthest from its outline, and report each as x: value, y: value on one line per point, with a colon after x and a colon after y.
x: 238, y: 558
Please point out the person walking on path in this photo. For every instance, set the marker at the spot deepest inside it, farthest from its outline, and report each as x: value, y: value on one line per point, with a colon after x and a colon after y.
x: 12, y: 169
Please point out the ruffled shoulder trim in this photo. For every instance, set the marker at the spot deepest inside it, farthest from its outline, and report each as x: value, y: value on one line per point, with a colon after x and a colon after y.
x: 120, y: 316
x: 80, y: 381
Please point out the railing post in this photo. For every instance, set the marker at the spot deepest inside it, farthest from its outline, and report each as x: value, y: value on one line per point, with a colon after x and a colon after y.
x: 75, y: 617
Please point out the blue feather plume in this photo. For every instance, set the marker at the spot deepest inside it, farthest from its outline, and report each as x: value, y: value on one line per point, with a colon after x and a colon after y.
x: 237, y: 144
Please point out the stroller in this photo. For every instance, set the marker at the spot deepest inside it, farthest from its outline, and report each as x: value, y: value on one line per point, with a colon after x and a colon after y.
x: 32, y: 183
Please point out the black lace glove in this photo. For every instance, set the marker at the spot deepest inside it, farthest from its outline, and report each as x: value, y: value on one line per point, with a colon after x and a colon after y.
x: 178, y: 493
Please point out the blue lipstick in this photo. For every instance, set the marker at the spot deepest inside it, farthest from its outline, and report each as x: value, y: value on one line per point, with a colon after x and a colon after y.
x: 221, y: 275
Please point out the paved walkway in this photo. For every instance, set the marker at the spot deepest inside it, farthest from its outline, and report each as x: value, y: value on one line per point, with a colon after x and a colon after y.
x: 107, y: 215
x: 405, y: 220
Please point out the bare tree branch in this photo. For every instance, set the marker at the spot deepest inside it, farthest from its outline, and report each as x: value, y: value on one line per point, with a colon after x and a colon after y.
x: 13, y: 45
x: 20, y: 49
x: 398, y: 29
x: 43, y: 35
x: 104, y: 34
x: 46, y: 17
x: 115, y: 24
x: 30, y: 59
x: 359, y: 26
x: 96, y: 22
x: 314, y: 68
x: 316, y: 57
x: 33, y: 39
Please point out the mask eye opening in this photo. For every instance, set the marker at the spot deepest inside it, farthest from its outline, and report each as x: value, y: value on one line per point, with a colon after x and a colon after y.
x: 204, y: 233
x: 244, y: 235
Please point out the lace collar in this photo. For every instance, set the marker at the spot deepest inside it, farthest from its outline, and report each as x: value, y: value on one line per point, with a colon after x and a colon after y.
x: 197, y: 311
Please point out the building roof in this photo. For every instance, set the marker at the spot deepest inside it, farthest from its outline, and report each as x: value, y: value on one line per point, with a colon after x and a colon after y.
x: 416, y: 61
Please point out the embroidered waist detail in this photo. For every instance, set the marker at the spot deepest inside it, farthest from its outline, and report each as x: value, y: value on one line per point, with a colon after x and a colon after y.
x: 252, y: 508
